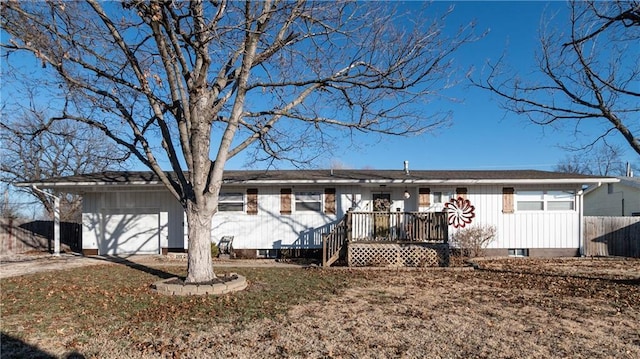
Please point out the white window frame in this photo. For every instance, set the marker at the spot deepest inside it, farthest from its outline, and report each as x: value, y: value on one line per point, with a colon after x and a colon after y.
x: 545, y: 200
x: 237, y: 199
x: 304, y: 201
x: 518, y: 252
x: 267, y: 253
x: 445, y: 197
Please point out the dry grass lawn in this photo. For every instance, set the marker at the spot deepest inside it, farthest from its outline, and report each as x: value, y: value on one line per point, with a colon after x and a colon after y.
x: 574, y: 308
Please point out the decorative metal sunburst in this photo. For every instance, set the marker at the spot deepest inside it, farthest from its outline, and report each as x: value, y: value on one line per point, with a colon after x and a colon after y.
x: 460, y: 212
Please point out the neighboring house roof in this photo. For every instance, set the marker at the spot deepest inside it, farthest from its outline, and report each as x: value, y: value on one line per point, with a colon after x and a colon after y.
x: 633, y: 182
x: 338, y: 176
x: 630, y: 181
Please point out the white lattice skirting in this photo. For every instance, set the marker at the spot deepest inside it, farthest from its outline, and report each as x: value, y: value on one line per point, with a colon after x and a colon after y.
x: 398, y: 254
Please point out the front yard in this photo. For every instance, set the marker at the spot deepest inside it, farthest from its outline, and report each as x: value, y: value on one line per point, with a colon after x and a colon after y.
x: 511, y: 309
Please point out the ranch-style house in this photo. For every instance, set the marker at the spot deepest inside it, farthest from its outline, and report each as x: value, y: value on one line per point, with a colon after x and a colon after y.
x: 340, y: 214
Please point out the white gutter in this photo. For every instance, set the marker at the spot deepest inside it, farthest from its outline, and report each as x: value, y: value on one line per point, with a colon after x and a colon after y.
x: 597, y: 181
x: 85, y: 184
x: 419, y: 181
x: 56, y: 220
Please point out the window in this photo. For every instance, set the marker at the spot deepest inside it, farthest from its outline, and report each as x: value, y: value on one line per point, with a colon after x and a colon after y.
x: 518, y: 252
x: 267, y: 253
x: 530, y: 200
x: 545, y: 200
x: 559, y: 200
x: 441, y: 197
x: 309, y: 201
x: 231, y: 202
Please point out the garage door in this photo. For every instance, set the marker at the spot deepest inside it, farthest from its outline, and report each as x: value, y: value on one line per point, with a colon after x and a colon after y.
x: 131, y: 234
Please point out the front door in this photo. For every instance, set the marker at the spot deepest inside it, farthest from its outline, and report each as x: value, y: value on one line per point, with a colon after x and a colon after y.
x: 382, y: 209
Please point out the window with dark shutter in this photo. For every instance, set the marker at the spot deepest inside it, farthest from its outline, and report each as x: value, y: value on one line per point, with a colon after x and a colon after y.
x: 424, y: 197
x: 461, y: 192
x: 285, y: 201
x: 507, y: 199
x: 330, y: 200
x: 252, y: 201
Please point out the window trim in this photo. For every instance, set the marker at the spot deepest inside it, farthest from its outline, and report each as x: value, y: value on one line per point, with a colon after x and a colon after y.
x: 445, y: 196
x: 232, y: 202
x: 544, y: 198
x: 319, y: 202
x: 518, y: 252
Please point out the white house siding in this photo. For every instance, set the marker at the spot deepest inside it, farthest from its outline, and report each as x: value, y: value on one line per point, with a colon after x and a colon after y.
x: 521, y: 229
x: 398, y: 202
x: 105, y: 214
x: 268, y: 229
x: 271, y: 230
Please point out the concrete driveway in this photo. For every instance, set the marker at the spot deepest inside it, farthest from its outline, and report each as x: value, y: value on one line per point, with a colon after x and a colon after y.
x: 17, y: 265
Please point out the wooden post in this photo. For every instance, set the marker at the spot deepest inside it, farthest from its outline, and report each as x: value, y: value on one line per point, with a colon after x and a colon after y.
x: 445, y: 227
x: 349, y: 234
x: 349, y: 226
x: 324, y: 250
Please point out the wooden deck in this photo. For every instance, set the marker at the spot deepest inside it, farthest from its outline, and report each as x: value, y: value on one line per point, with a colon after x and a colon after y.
x: 388, y: 239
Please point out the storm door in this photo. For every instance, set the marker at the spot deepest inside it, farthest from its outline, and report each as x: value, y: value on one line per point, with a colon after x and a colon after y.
x: 381, y: 215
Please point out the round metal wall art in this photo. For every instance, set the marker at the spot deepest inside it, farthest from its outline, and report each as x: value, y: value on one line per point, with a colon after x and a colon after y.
x: 460, y: 212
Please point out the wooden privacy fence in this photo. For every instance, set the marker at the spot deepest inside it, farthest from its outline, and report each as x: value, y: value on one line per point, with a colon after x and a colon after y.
x: 612, y: 236
x: 22, y: 235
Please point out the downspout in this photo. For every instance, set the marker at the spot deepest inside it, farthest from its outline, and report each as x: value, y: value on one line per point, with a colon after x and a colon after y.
x: 582, y: 243
x: 56, y: 220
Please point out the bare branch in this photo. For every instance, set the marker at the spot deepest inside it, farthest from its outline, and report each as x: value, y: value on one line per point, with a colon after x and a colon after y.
x: 590, y: 78
x: 188, y: 85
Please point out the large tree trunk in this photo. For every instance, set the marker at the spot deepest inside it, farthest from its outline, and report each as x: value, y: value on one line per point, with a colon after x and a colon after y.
x: 200, y: 265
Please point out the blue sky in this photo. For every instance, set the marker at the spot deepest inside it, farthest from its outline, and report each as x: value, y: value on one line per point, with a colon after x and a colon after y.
x: 482, y: 135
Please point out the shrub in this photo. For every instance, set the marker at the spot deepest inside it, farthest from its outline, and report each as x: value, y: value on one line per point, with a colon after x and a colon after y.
x: 214, y: 250
x: 471, y: 241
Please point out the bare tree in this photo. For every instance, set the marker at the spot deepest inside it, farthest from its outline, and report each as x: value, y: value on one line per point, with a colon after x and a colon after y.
x: 590, y: 74
x: 601, y: 160
x: 33, y: 149
x: 196, y: 83
x: 8, y: 208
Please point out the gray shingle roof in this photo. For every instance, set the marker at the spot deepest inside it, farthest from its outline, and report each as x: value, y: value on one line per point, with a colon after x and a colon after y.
x: 630, y: 181
x: 335, y: 176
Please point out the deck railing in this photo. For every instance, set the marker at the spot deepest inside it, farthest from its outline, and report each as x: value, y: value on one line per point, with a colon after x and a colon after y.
x: 383, y: 227
x: 334, y: 243
x: 399, y: 226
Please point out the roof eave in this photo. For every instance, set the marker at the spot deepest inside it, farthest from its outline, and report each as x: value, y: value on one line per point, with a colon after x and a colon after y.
x: 88, y: 184
x: 428, y: 181
x: 408, y: 181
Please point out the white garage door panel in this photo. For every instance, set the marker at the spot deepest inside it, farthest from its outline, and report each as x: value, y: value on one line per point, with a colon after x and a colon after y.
x: 131, y: 233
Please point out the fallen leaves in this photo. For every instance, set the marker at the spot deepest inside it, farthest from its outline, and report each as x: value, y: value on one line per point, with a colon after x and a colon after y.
x: 298, y: 312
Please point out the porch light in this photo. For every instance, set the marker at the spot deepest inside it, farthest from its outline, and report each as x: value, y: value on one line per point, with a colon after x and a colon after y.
x: 407, y: 195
